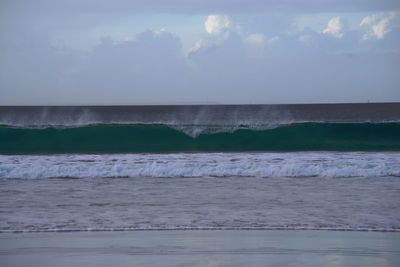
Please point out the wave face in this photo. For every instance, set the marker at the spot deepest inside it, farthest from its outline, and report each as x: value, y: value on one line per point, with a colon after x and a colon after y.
x: 164, y: 138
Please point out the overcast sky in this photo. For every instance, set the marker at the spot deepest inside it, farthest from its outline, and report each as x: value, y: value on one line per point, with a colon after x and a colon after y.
x: 77, y: 52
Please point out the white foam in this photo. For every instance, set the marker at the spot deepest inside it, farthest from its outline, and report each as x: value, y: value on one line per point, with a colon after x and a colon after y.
x: 180, y: 228
x: 196, y: 130
x: 294, y: 164
x: 190, y: 130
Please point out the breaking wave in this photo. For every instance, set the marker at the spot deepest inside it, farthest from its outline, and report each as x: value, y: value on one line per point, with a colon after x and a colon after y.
x: 112, y: 138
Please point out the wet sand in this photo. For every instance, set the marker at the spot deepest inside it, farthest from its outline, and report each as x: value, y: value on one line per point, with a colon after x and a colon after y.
x: 201, y: 248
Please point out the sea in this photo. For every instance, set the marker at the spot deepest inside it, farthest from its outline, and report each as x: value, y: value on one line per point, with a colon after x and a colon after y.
x: 332, y: 167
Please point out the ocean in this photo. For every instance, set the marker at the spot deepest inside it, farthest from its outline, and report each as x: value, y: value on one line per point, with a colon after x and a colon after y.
x: 333, y: 167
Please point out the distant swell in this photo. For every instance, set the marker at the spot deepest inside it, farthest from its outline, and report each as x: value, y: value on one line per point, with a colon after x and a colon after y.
x: 163, y: 138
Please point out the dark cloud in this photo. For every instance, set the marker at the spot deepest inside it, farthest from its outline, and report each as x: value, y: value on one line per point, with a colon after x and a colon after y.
x: 197, y: 6
x: 142, y: 69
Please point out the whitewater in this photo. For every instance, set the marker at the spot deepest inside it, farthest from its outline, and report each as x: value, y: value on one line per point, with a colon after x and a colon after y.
x: 352, y: 191
x: 294, y: 164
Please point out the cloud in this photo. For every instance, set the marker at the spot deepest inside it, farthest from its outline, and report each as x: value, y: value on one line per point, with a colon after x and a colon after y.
x: 216, y: 24
x: 196, y: 6
x: 334, y: 28
x: 144, y: 64
x: 200, y: 44
x: 218, y: 28
x: 257, y: 39
x: 135, y: 71
x: 378, y: 25
x: 259, y: 43
x: 230, y: 67
x: 221, y: 29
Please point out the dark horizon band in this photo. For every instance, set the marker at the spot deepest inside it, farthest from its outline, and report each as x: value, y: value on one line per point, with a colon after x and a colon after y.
x: 200, y: 114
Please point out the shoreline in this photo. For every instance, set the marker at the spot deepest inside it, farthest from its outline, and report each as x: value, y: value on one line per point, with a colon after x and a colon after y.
x: 233, y: 229
x: 201, y: 248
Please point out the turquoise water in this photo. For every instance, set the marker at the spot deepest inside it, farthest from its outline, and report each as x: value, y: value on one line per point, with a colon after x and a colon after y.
x: 115, y: 138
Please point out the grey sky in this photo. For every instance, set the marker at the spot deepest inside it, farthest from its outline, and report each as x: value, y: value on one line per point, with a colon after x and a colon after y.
x: 141, y: 52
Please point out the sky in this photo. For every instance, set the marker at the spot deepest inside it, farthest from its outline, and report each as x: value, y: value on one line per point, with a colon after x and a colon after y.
x: 100, y: 52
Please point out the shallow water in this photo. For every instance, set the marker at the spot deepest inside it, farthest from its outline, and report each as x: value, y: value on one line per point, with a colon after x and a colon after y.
x: 201, y: 248
x: 327, y: 190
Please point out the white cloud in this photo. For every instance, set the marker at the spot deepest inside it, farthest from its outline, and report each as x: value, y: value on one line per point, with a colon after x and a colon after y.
x: 378, y: 25
x: 221, y: 30
x: 197, y: 46
x: 258, y: 44
x: 380, y: 29
x: 219, y: 27
x: 368, y: 20
x: 257, y: 39
x: 305, y: 38
x: 260, y: 40
x: 334, y: 28
x: 216, y: 24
